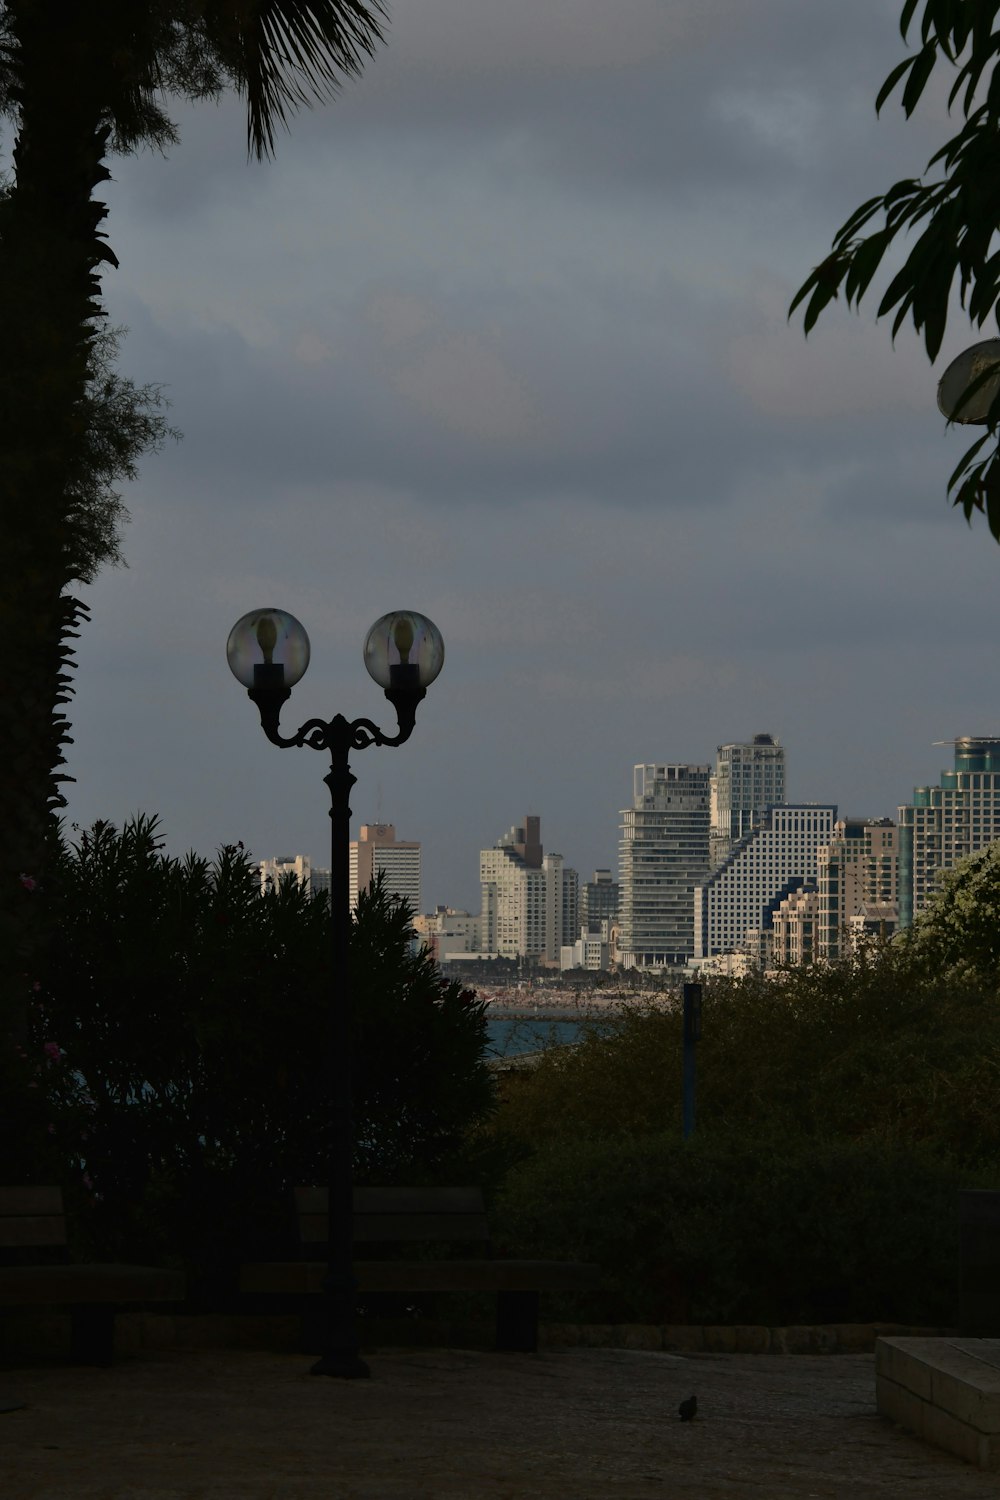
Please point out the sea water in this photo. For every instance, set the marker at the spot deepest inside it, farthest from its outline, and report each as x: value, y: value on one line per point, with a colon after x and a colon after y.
x: 514, y: 1037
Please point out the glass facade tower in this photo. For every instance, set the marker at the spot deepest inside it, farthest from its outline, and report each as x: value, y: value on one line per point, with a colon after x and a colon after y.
x: 946, y: 822
x: 663, y: 855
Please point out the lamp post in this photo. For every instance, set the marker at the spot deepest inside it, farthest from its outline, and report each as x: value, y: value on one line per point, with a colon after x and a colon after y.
x: 268, y: 652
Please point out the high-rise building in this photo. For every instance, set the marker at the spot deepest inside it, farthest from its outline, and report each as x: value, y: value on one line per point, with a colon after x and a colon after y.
x: 529, y: 898
x: 749, y: 778
x: 599, y: 900
x: 762, y: 868
x: 377, y: 851
x: 562, y: 895
x: 944, y: 823
x: 792, y: 933
x: 857, y: 880
x: 663, y: 855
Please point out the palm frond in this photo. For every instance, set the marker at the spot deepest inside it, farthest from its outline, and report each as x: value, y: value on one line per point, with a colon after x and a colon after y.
x: 286, y: 53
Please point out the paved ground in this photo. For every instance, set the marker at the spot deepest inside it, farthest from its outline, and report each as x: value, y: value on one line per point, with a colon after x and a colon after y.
x: 577, y: 1424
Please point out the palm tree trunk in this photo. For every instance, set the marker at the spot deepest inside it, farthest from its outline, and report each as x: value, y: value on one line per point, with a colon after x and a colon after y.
x: 50, y: 249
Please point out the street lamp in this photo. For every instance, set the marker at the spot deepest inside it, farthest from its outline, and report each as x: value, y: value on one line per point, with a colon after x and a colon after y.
x: 971, y: 384
x: 268, y: 652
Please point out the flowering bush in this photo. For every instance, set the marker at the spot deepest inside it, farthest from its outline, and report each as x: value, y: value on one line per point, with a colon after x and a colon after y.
x: 47, y: 1107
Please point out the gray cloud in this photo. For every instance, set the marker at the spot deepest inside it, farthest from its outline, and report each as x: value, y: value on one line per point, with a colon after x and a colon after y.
x: 502, y: 335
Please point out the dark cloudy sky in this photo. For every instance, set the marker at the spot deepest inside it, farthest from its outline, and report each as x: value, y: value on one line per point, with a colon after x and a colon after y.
x: 501, y: 336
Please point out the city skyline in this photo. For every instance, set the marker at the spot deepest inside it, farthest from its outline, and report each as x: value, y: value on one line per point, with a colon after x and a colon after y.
x: 501, y: 335
x: 959, y: 745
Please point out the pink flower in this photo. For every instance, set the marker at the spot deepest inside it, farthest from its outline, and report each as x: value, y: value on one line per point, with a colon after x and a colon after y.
x: 29, y: 882
x: 51, y: 1129
x: 52, y: 1051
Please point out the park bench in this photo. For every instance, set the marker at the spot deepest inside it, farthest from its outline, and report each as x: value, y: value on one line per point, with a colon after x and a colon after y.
x: 35, y: 1272
x: 439, y: 1216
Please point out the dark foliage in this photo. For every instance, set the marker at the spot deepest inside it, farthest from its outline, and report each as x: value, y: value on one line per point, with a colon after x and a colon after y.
x: 188, y: 1008
x: 954, y: 218
x: 886, y: 1049
x: 839, y: 1111
x: 761, y: 1229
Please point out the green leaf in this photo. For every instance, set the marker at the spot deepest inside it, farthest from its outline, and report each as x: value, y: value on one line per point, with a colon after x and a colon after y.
x: 900, y: 317
x: 923, y: 66
x: 864, y: 263
x: 906, y: 16
x: 968, y: 498
x: 858, y: 219
x: 935, y: 324
x: 966, y: 460
x: 901, y: 283
x: 823, y: 283
x: 890, y: 83
x: 821, y: 297
x: 906, y: 189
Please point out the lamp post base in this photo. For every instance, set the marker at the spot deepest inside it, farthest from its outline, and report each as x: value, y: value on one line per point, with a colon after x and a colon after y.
x: 347, y: 1366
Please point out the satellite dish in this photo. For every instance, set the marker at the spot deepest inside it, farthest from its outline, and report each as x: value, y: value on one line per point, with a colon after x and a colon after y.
x: 970, y: 365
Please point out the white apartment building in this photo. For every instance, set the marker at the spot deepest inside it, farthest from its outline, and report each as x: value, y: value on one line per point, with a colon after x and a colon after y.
x: 749, y: 778
x: 663, y: 855
x: 762, y: 868
x: 944, y: 823
x: 286, y: 867
x: 377, y: 851
x: 447, y: 932
x: 529, y: 898
x: 592, y: 949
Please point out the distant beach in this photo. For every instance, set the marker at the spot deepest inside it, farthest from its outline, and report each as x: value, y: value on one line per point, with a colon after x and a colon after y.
x: 552, y: 1003
x: 524, y: 1018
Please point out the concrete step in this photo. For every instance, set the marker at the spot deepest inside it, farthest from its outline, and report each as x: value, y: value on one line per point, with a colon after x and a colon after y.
x: 945, y: 1391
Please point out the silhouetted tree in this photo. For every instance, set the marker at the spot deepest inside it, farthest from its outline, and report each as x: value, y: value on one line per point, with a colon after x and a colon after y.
x: 954, y: 217
x: 77, y: 81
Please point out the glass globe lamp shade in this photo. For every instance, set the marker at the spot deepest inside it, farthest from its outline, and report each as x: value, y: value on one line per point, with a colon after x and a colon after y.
x: 268, y: 648
x: 404, y: 650
x: 979, y: 363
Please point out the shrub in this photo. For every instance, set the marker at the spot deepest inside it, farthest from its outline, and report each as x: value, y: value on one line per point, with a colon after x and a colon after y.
x: 190, y: 1007
x: 885, y: 1050
x: 742, y: 1230
x: 838, y: 1112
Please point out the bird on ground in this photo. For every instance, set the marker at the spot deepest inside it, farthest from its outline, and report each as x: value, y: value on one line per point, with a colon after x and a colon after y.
x: 688, y: 1408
